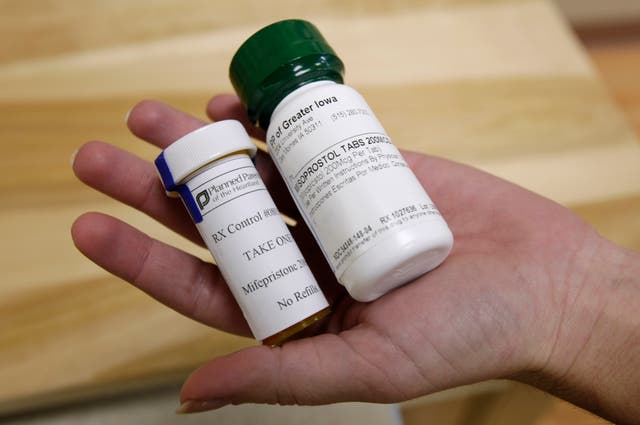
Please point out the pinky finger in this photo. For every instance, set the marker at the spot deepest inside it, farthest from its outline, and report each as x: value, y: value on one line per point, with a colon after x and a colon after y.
x: 179, y: 280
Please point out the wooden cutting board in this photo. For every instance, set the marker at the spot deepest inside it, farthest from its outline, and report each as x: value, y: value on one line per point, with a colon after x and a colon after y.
x: 498, y: 84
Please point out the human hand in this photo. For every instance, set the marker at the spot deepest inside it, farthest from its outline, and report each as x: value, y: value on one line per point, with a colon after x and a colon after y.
x: 520, y: 295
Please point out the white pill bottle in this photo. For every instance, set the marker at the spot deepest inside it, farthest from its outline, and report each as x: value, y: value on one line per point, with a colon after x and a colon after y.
x: 211, y: 170
x: 372, y: 218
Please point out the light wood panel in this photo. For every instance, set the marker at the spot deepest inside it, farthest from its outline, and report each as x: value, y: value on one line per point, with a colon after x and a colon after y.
x: 48, y: 28
x: 497, y: 84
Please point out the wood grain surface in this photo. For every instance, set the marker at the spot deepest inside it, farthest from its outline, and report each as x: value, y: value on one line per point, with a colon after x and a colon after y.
x: 501, y: 85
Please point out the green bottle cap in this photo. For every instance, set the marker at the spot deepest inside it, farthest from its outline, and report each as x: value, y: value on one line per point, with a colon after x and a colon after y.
x: 277, y: 60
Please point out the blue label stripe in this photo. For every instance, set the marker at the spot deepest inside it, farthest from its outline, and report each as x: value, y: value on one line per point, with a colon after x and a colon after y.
x: 190, y: 203
x: 182, y: 189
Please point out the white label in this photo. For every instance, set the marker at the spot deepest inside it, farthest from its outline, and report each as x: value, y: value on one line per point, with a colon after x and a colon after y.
x: 253, y: 247
x: 350, y: 182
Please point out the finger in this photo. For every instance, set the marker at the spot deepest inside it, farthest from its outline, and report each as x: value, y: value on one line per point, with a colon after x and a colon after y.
x: 173, y: 277
x: 323, y: 369
x: 133, y: 181
x: 160, y: 124
x: 228, y: 106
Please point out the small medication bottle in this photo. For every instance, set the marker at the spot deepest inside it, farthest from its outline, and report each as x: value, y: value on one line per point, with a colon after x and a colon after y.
x: 212, y: 172
x: 373, y: 220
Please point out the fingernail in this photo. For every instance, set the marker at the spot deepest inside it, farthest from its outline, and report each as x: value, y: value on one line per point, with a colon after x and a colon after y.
x: 126, y: 117
x: 72, y: 159
x: 194, y: 406
x: 291, y: 222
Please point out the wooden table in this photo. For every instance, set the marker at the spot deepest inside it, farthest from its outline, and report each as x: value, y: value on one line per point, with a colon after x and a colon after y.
x: 498, y: 84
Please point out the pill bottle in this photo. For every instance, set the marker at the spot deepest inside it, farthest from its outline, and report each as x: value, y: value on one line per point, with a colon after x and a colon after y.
x: 211, y: 170
x: 373, y: 220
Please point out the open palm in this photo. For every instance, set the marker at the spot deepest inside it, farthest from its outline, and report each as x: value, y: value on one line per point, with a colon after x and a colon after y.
x: 494, y: 308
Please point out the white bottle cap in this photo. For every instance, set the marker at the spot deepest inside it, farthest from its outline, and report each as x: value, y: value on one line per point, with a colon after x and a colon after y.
x: 197, y: 149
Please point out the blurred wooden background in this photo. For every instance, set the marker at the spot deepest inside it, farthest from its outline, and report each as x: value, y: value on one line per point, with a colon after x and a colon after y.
x: 499, y: 84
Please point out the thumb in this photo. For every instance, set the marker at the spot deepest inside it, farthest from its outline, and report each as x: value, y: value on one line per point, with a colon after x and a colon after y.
x: 323, y: 369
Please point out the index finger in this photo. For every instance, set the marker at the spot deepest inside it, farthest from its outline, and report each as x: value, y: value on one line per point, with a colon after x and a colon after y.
x: 229, y: 106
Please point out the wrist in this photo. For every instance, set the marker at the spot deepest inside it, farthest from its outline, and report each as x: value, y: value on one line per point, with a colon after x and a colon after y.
x: 595, y: 359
